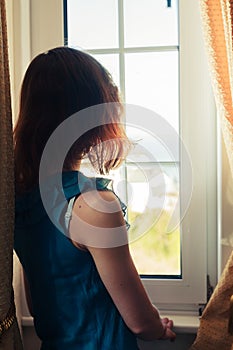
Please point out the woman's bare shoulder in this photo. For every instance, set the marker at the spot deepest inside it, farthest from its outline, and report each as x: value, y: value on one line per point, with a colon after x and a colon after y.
x: 101, y: 208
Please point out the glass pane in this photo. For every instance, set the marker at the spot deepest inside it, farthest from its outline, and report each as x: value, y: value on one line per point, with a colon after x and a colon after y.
x: 150, y: 23
x: 153, y: 197
x: 151, y: 81
x: 92, y: 24
x: 148, y: 147
x: 111, y: 63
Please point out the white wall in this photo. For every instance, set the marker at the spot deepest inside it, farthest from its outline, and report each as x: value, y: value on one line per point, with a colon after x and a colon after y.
x: 31, y: 30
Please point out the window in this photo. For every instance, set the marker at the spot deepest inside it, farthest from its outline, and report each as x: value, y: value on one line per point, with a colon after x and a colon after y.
x: 150, y: 61
x: 154, y: 51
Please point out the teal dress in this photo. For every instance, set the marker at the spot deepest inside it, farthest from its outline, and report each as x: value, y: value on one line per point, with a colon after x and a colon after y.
x: 72, y: 308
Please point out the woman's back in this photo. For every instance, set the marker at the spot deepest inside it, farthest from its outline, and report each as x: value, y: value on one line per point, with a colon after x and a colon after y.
x: 72, y: 308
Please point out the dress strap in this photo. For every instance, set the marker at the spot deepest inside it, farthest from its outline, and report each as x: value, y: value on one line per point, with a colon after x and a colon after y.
x: 68, y: 213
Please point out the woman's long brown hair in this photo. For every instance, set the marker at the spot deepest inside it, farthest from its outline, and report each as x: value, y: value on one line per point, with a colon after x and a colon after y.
x: 56, y: 85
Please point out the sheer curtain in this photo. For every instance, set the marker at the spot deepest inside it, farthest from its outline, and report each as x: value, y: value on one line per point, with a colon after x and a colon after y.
x: 9, y: 332
x: 217, y: 19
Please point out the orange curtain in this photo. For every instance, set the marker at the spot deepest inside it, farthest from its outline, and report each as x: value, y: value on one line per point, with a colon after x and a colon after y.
x: 217, y: 29
x: 9, y: 332
x: 217, y: 19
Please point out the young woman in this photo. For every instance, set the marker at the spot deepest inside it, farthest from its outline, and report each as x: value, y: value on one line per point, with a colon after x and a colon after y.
x: 82, y: 296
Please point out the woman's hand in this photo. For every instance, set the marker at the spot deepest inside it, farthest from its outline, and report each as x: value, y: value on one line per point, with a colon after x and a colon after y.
x: 168, y: 333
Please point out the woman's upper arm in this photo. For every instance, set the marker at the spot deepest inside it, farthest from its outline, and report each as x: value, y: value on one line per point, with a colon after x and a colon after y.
x: 114, y: 263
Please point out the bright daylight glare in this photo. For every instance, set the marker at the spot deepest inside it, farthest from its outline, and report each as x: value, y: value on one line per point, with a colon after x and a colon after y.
x: 139, y: 46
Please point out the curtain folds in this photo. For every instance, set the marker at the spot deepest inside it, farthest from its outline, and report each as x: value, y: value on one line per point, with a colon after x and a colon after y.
x: 217, y: 27
x: 9, y: 332
x: 217, y: 19
x: 213, y: 331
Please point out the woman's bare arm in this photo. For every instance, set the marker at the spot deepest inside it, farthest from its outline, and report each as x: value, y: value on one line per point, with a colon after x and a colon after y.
x: 116, y: 267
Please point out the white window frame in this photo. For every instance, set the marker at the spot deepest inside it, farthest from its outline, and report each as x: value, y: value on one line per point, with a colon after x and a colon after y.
x: 198, y: 133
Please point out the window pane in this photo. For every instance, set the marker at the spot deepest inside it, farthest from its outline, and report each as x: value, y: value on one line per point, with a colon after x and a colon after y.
x: 152, y: 81
x: 92, y: 24
x: 148, y: 147
x: 111, y: 63
x: 153, y: 194
x: 150, y: 23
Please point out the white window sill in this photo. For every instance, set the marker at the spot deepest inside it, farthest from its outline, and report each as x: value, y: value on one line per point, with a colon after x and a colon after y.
x: 182, y: 323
